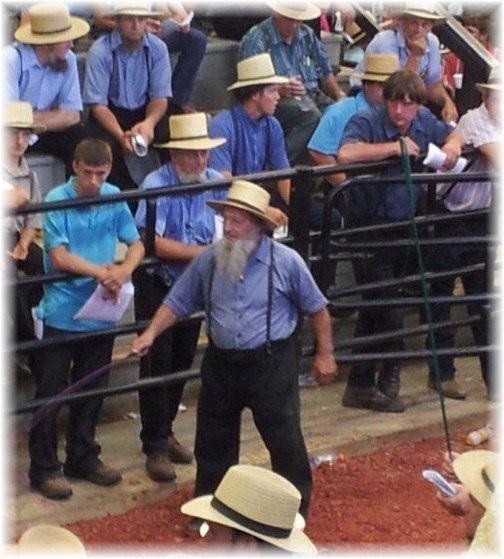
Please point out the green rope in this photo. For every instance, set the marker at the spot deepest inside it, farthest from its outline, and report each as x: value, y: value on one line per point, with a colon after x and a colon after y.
x: 407, y: 172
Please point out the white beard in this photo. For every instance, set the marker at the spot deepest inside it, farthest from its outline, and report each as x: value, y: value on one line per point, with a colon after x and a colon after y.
x: 231, y: 257
x: 188, y: 178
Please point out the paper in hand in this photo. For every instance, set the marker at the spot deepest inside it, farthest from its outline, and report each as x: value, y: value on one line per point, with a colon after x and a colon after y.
x: 186, y: 21
x: 110, y: 310
x: 436, y: 158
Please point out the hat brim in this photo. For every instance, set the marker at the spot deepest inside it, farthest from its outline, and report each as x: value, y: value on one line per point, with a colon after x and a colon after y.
x: 196, y: 143
x: 136, y: 12
x: 79, y: 27
x: 312, y: 12
x: 200, y: 507
x: 468, y: 467
x: 36, y: 128
x: 489, y: 86
x: 372, y: 77
x: 260, y: 81
x: 423, y: 15
x: 219, y: 205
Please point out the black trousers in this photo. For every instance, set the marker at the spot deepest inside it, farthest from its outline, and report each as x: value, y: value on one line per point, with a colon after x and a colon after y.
x: 267, y: 384
x: 53, y: 367
x: 173, y: 351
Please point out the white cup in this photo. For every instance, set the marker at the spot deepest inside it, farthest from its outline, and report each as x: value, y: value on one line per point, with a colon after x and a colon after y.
x: 139, y: 145
x: 457, y: 78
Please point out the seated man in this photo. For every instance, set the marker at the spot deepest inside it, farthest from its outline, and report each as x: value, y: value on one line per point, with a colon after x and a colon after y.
x: 299, y: 55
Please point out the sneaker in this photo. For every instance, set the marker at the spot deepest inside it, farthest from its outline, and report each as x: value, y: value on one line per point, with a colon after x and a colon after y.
x: 159, y: 467
x: 98, y: 473
x: 370, y: 398
x: 389, y: 381
x: 307, y: 381
x: 451, y: 389
x: 53, y: 486
x: 177, y: 452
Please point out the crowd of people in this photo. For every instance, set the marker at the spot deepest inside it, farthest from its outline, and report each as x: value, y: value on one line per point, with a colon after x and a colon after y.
x: 216, y: 248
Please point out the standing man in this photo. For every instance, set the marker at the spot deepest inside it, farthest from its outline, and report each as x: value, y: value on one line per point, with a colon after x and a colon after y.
x: 481, y: 128
x: 299, y: 55
x: 42, y: 70
x: 253, y: 290
x: 374, y: 135
x: 82, y: 241
x: 185, y: 226
x: 127, y: 85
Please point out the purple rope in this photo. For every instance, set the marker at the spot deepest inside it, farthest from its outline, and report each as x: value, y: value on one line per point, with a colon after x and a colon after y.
x: 72, y: 388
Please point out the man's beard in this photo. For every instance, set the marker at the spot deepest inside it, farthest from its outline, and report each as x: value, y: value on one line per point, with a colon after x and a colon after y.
x: 188, y: 178
x: 231, y: 257
x: 58, y: 64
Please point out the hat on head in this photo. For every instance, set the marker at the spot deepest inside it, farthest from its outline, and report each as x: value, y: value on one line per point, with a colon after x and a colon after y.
x: 478, y: 470
x: 423, y: 10
x: 249, y: 197
x: 133, y: 8
x: 50, y: 23
x: 493, y: 82
x: 19, y: 114
x: 46, y: 539
x: 256, y: 70
x: 295, y: 9
x: 379, y: 67
x: 190, y: 131
x: 258, y: 502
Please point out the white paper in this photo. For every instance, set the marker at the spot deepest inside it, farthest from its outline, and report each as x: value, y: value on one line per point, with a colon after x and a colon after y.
x: 281, y: 232
x: 219, y: 227
x: 38, y: 324
x: 99, y: 308
x: 185, y: 21
x: 436, y: 158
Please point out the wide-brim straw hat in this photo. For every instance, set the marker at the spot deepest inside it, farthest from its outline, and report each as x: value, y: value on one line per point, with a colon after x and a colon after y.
x: 478, y: 470
x: 133, y: 8
x: 190, y: 131
x: 249, y: 197
x: 257, y: 70
x: 424, y: 10
x: 379, y: 67
x: 50, y: 23
x: 45, y: 539
x: 295, y: 9
x: 19, y: 114
x: 258, y: 502
x: 494, y: 81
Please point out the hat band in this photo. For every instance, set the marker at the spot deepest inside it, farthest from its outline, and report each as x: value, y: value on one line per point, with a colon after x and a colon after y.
x: 259, y: 527
x: 488, y: 481
x: 182, y: 138
x: 376, y: 72
x: 246, y: 204
x: 257, y: 78
x: 51, y: 32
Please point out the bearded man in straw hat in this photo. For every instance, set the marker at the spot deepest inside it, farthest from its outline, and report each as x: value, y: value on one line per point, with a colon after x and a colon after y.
x: 481, y: 128
x: 252, y: 509
x: 185, y: 226
x: 127, y: 85
x: 253, y: 290
x: 299, y: 55
x: 418, y: 50
x: 42, y: 70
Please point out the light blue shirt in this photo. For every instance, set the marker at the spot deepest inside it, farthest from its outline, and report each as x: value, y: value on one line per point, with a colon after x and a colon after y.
x: 239, y: 310
x: 91, y: 232
x: 252, y: 145
x: 123, y: 78
x: 185, y: 217
x: 327, y: 136
x: 41, y: 86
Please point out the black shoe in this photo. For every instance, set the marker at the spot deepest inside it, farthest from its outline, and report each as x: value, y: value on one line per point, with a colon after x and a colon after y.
x: 177, y: 452
x: 370, y: 398
x: 159, y: 467
x: 357, y: 396
x: 98, y: 473
x: 389, y: 381
x: 53, y: 486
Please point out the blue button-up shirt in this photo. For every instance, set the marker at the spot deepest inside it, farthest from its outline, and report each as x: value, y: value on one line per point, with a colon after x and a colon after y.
x: 252, y: 145
x: 184, y: 217
x: 305, y: 56
x: 124, y: 78
x: 239, y: 309
x: 41, y: 86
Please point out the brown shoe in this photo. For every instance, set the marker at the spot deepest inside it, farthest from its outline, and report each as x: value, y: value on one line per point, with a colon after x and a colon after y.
x: 159, y: 467
x: 450, y: 388
x: 53, y: 486
x: 98, y: 473
x: 177, y: 452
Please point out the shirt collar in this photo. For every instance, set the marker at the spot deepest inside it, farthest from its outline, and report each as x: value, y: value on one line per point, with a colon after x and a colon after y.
x: 262, y: 252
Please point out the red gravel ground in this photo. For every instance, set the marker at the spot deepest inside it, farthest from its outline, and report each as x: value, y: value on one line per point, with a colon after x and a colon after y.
x: 374, y: 500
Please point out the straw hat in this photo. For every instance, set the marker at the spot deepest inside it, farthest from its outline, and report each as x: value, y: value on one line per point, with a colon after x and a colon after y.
x: 246, y: 196
x: 49, y: 24
x: 424, y: 10
x: 133, y: 8
x: 379, y: 67
x: 19, y: 114
x: 295, y: 9
x: 258, y: 502
x: 493, y: 82
x: 190, y: 131
x: 478, y: 470
x: 44, y: 539
x: 256, y: 70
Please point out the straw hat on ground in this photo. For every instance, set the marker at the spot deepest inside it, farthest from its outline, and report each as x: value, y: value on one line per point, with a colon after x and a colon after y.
x: 133, y: 8
x: 424, y: 10
x: 379, y: 67
x: 249, y: 197
x: 258, y: 502
x: 190, y: 131
x: 478, y: 470
x: 50, y: 24
x: 295, y: 9
x: 256, y: 70
x: 494, y: 81
x: 19, y: 114
x: 45, y: 539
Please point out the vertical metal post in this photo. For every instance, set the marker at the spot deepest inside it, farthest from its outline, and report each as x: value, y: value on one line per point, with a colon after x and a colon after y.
x: 150, y: 226
x: 300, y: 209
